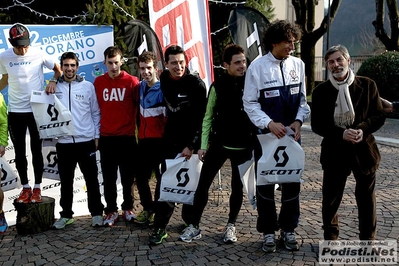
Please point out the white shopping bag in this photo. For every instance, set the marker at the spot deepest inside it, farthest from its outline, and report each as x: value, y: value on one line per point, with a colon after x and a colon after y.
x: 247, y: 174
x: 50, y: 159
x: 282, y: 161
x: 180, y: 180
x: 52, y: 118
x: 9, y: 179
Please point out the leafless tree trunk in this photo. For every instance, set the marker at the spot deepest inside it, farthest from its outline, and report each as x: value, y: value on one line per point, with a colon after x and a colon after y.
x: 390, y: 42
x: 305, y: 17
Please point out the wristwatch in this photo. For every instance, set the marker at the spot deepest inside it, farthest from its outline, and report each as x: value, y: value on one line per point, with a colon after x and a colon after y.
x: 53, y: 79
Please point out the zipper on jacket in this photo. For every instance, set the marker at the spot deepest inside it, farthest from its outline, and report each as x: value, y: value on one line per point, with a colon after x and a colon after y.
x: 145, y: 92
x: 281, y: 70
x: 70, y: 105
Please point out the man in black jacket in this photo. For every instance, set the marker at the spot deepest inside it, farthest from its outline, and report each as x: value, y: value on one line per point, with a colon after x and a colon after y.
x: 226, y: 134
x: 185, y: 98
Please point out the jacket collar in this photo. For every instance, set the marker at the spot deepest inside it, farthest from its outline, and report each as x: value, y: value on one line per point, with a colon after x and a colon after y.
x: 78, y: 79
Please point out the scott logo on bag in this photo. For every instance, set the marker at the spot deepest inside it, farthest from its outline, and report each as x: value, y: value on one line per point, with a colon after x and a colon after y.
x: 183, y: 173
x: 282, y: 160
x: 179, y: 181
x: 277, y: 157
x: 4, y: 181
x: 285, y: 158
x: 53, y: 120
x: 8, y: 177
x: 3, y: 174
x: 183, y: 179
x: 50, y: 165
x: 53, y: 113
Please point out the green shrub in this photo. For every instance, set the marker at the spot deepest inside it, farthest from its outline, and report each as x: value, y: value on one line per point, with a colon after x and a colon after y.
x: 384, y: 70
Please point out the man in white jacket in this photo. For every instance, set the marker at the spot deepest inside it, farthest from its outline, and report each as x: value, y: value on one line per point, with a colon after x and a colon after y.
x: 78, y: 95
x: 275, y: 98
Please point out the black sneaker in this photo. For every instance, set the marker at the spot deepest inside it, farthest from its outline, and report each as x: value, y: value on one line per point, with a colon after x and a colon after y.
x: 157, y: 236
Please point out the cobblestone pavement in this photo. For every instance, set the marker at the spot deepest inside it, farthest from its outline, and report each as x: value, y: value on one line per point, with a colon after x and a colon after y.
x: 127, y: 244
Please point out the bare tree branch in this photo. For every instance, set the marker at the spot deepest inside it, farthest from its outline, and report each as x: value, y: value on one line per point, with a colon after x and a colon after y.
x: 393, y: 17
x: 305, y: 18
x: 391, y: 43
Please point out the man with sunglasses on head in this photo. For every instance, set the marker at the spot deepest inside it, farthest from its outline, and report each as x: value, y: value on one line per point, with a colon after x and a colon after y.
x: 21, y: 68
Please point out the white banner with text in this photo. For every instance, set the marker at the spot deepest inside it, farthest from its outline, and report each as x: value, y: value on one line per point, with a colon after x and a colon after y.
x: 88, y: 42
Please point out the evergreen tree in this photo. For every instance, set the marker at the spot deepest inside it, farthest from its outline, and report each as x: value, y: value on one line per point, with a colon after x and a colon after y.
x: 108, y: 12
x: 263, y: 6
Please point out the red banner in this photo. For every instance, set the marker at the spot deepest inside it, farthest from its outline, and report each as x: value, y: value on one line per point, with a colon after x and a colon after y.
x: 185, y: 23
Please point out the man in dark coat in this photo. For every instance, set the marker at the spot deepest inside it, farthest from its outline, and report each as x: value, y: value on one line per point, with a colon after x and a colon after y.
x: 227, y: 133
x: 346, y: 111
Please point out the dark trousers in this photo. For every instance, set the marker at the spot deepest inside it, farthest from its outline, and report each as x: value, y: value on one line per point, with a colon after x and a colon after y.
x: 163, y: 209
x: 149, y: 161
x: 84, y: 154
x: 266, y: 205
x: 118, y: 152
x: 268, y: 219
x: 213, y: 161
x: 333, y: 189
x: 18, y: 123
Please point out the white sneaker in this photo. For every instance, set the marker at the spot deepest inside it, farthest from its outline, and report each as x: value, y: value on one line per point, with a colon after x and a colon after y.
x: 62, y: 222
x: 189, y: 233
x: 128, y: 215
x: 111, y: 219
x: 97, y: 221
x: 230, y: 235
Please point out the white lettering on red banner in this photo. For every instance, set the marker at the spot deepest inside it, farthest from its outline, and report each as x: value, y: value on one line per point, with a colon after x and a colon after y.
x: 185, y: 23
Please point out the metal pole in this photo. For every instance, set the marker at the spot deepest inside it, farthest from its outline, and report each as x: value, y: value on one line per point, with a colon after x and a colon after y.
x: 220, y: 187
x: 328, y: 36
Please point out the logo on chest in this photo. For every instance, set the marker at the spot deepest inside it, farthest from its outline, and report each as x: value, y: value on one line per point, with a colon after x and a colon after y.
x: 114, y: 94
x: 79, y: 97
x: 294, y: 76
